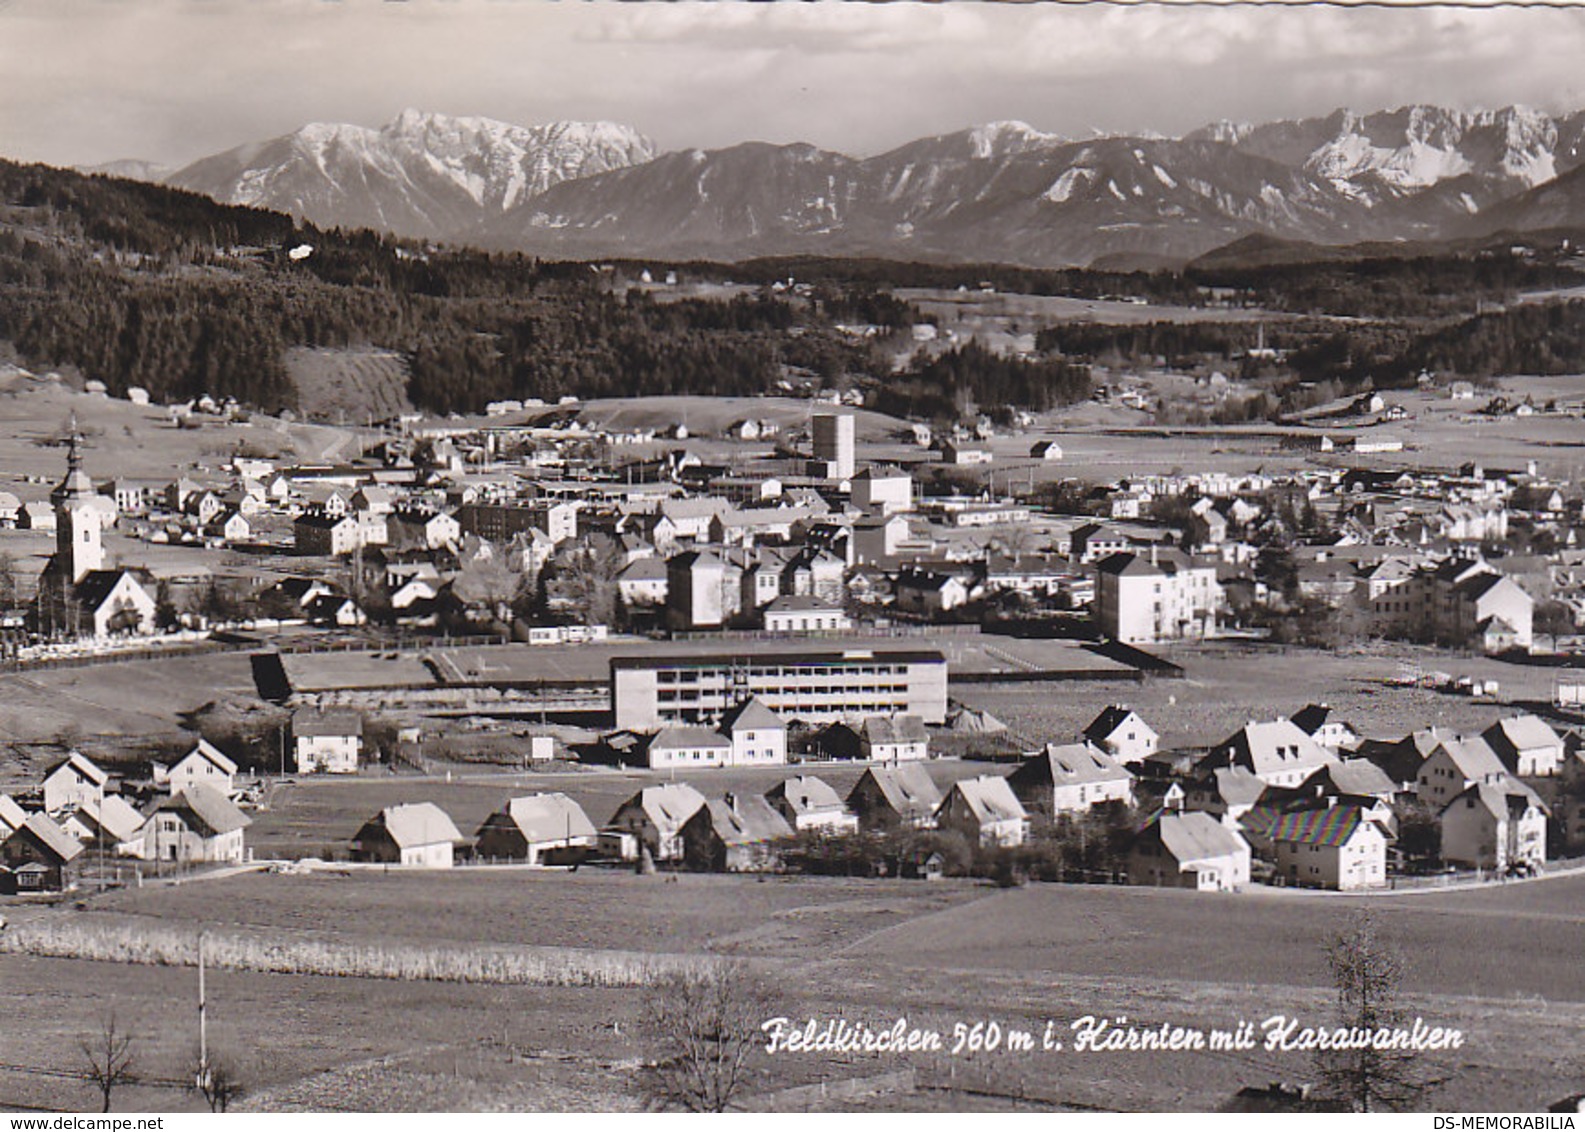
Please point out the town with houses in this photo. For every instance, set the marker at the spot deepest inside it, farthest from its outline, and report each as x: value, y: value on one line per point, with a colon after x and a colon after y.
x: 769, y: 598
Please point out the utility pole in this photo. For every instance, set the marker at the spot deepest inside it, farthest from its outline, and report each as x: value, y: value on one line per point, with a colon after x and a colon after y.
x: 203, y: 1021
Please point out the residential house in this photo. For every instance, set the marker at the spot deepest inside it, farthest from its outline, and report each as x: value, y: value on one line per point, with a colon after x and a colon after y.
x: 898, y: 795
x: 1176, y: 849
x: 737, y: 833
x: 1316, y: 721
x: 1165, y: 596
x: 198, y: 825
x: 326, y: 535
x: 1527, y: 747
x: 986, y: 811
x: 1278, y: 752
x: 643, y: 582
x: 1497, y: 824
x: 1455, y: 765
x: 114, y: 825
x: 883, y: 488
x: 687, y: 745
x: 656, y: 815
x: 1092, y: 542
x: 39, y: 856
x: 415, y: 834
x: 541, y: 829
x: 327, y: 741
x: 1122, y: 734
x: 893, y: 738
x: 73, y: 781
x: 793, y: 613
x: 1338, y: 847
x: 1070, y: 778
x: 204, y: 765
x: 758, y: 735
x: 809, y: 803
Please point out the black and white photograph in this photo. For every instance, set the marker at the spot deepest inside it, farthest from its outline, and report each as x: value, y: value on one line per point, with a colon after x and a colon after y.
x: 963, y: 557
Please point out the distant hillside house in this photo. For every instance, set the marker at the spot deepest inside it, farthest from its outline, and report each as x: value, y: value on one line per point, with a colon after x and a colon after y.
x: 327, y: 742
x: 416, y: 835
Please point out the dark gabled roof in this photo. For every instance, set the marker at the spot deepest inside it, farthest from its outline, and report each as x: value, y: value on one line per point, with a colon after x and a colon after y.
x: 1311, y: 718
x: 751, y: 715
x: 1111, y: 718
x: 96, y: 585
x: 50, y: 837
x: 1126, y: 564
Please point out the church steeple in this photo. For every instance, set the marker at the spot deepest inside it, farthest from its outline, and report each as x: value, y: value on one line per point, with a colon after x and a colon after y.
x: 78, y: 549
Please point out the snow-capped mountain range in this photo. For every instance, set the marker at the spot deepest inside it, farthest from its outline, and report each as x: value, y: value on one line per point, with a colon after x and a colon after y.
x: 1004, y: 191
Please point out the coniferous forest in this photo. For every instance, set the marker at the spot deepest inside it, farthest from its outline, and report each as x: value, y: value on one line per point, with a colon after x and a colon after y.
x: 143, y: 285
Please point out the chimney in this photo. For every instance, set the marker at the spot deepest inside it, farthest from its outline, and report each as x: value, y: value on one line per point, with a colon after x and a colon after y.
x: 1153, y: 554
x: 731, y: 801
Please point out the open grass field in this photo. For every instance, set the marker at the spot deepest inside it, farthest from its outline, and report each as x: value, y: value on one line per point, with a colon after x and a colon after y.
x: 352, y: 384
x: 873, y: 951
x: 1228, y: 683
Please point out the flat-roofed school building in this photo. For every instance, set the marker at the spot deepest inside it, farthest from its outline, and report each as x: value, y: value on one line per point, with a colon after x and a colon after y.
x: 649, y: 692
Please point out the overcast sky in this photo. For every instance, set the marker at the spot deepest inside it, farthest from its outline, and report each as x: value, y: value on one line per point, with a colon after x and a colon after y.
x: 87, y: 81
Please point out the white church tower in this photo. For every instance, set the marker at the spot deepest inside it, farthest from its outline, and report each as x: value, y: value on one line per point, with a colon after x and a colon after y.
x: 79, y: 548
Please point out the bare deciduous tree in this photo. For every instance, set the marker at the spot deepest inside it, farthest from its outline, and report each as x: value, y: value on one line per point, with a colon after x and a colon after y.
x: 217, y: 1082
x: 704, y: 1022
x: 107, y: 1058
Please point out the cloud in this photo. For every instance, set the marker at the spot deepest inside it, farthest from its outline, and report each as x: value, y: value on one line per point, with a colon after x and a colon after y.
x: 92, y: 80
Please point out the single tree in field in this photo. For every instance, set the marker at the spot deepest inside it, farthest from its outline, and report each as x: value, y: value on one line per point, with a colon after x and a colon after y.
x: 704, y: 1022
x: 107, y: 1058
x: 1367, y: 972
x: 216, y: 1081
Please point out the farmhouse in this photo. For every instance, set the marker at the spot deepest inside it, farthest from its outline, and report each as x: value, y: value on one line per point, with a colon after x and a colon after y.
x: 114, y: 825
x: 39, y: 856
x: 1188, y: 850
x: 656, y: 814
x: 541, y: 829
x: 197, y: 825
x: 416, y: 834
x: 1526, y: 745
x: 986, y: 811
x: 893, y: 738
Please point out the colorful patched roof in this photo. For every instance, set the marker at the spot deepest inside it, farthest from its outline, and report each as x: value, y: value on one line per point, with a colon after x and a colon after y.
x: 1329, y: 828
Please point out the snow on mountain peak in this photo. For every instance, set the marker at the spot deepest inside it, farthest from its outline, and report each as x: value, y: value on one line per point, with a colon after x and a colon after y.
x: 994, y: 138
